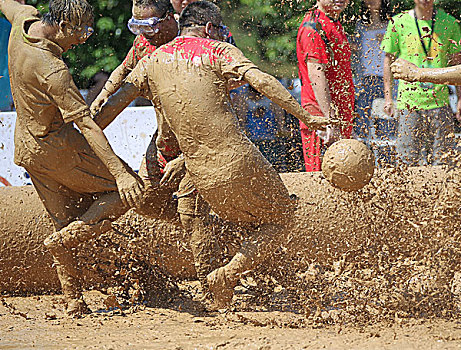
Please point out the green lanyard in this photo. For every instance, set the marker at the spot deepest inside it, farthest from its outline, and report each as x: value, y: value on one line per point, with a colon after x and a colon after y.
x: 428, y: 49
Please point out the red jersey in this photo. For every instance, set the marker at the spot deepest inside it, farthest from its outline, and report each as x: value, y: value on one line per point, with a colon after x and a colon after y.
x: 141, y: 47
x: 328, y: 46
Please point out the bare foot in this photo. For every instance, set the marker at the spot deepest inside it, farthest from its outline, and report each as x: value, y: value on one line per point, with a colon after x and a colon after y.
x: 77, y: 308
x: 221, y: 287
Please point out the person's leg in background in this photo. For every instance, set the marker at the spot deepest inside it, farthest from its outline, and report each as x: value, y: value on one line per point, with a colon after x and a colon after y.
x: 372, y: 87
x: 443, y: 127
x: 410, y: 138
x: 312, y: 150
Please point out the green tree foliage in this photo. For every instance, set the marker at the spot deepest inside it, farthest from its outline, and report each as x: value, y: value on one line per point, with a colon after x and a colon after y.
x: 264, y: 29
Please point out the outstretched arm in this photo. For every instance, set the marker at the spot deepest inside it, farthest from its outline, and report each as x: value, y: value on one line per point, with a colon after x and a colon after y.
x: 9, y: 8
x: 116, y: 104
x: 272, y: 89
x: 405, y: 70
x: 110, y: 87
x: 128, y: 184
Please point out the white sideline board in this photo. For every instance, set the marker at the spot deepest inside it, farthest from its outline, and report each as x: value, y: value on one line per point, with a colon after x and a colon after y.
x: 129, y: 135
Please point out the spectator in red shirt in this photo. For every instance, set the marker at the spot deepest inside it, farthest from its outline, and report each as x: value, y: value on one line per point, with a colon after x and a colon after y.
x: 324, y: 62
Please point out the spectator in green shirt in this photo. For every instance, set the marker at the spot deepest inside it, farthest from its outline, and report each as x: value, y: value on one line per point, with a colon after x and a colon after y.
x: 429, y: 38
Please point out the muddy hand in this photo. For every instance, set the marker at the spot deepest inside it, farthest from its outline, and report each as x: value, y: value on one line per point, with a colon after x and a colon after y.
x: 97, y: 104
x: 130, y: 188
x: 315, y: 122
x: 330, y: 135
x: 173, y: 172
x: 402, y: 69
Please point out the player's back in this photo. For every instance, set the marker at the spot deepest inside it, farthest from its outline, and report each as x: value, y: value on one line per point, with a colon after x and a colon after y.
x: 193, y: 90
x: 190, y: 79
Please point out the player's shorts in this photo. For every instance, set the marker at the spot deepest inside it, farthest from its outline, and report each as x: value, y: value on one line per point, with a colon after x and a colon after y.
x: 68, y: 194
x: 247, y: 191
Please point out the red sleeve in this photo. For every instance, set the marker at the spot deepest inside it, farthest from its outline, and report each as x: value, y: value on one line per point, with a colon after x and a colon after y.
x: 312, y: 45
x: 130, y: 59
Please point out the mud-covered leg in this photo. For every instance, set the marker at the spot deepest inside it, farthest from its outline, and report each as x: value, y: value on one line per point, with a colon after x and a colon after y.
x: 204, y: 246
x: 194, y: 213
x: 62, y: 243
x: 263, y: 242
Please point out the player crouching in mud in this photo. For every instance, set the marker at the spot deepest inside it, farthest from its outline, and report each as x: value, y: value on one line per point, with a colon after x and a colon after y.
x: 154, y: 24
x: 81, y: 182
x: 189, y: 80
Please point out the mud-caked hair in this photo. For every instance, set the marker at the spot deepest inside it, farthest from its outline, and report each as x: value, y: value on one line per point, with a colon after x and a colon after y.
x: 200, y: 13
x: 72, y: 11
x: 162, y: 6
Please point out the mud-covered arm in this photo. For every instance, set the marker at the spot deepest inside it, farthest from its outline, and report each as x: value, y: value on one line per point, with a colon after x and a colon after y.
x: 65, y: 95
x: 114, y: 82
x: 275, y: 91
x: 408, y: 71
x: 11, y: 7
x: 448, y: 75
x: 116, y: 104
x: 128, y: 184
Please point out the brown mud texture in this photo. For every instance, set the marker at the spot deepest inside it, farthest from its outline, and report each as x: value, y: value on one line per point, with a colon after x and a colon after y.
x: 387, y: 253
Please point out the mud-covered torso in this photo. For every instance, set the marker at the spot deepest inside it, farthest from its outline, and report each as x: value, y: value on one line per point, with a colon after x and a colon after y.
x: 192, y: 78
x: 189, y: 80
x: 46, y: 99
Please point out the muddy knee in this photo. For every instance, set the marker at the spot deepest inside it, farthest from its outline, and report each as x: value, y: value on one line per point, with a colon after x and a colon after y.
x: 75, y: 233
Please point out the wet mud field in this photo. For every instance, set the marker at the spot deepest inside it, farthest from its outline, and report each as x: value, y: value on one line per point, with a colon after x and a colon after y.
x: 376, y: 269
x: 39, y: 322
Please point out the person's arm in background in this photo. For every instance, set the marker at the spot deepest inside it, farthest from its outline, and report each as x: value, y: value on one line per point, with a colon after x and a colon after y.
x: 322, y: 95
x: 391, y: 47
x: 276, y: 92
x: 388, y: 84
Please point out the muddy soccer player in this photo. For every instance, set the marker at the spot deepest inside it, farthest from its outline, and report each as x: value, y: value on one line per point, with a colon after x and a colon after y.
x: 81, y: 182
x: 154, y: 24
x: 188, y: 79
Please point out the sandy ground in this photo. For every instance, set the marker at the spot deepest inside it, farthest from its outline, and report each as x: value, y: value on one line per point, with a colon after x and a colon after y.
x: 39, y: 322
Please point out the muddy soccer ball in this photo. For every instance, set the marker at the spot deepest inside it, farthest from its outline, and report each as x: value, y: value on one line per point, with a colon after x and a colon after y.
x: 348, y: 165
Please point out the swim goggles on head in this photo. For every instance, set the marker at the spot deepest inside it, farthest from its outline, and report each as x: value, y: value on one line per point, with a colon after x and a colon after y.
x: 86, y: 32
x: 145, y: 26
